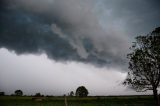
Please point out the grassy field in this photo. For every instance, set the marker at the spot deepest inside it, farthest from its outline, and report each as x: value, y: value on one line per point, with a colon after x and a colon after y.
x: 75, y: 101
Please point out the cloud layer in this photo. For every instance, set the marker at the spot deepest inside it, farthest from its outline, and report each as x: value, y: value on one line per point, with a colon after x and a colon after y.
x: 70, y: 30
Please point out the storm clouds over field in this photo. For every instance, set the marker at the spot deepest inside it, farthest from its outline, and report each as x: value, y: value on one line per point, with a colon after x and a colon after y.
x: 56, y: 45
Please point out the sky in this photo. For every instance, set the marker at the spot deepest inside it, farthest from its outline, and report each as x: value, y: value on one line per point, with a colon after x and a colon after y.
x: 54, y: 46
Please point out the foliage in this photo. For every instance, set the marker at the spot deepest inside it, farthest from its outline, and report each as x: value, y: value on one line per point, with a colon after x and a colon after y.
x: 144, y: 63
x: 71, y: 93
x: 2, y: 93
x: 38, y: 94
x: 81, y: 91
x: 18, y: 93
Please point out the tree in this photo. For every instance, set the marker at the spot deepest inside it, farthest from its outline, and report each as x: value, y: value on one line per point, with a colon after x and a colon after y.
x: 2, y: 93
x: 81, y: 91
x: 18, y: 93
x: 38, y: 94
x: 71, y: 93
x: 144, y: 63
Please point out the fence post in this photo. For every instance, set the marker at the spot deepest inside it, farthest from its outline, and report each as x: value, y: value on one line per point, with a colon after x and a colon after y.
x: 65, y: 100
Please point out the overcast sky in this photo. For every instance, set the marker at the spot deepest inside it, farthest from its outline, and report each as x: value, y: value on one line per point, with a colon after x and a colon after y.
x: 54, y: 46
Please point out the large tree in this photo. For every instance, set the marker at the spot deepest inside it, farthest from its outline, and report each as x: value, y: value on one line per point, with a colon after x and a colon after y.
x: 144, y: 63
x: 81, y: 91
x: 18, y: 93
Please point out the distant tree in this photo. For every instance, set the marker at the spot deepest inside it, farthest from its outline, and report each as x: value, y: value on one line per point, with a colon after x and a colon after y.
x: 71, y: 93
x: 81, y: 91
x: 38, y: 94
x: 18, y: 93
x: 12, y: 95
x: 144, y: 63
x: 2, y: 93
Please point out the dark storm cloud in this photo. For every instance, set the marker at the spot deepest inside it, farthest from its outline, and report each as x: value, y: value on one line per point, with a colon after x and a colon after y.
x: 140, y: 16
x: 71, y: 30
x: 26, y: 33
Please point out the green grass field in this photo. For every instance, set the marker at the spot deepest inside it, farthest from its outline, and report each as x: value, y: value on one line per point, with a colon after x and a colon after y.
x: 76, y: 101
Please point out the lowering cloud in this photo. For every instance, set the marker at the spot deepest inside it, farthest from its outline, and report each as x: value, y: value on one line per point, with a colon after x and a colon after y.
x: 69, y: 30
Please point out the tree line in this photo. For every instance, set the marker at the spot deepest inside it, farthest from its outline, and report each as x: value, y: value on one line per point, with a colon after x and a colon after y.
x: 81, y: 91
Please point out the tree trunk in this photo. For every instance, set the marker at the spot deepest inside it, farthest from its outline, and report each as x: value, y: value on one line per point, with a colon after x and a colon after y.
x: 155, y: 94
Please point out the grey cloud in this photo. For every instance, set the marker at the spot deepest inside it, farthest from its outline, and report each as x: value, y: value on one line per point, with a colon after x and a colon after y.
x: 140, y: 16
x: 72, y: 29
x: 25, y: 33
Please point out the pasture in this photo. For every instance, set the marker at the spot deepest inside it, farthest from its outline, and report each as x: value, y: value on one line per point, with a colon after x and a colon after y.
x: 76, y: 101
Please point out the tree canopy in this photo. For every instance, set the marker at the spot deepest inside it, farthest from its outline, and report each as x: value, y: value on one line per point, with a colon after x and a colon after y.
x: 18, y: 93
x: 144, y: 63
x: 81, y: 91
x: 71, y: 93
